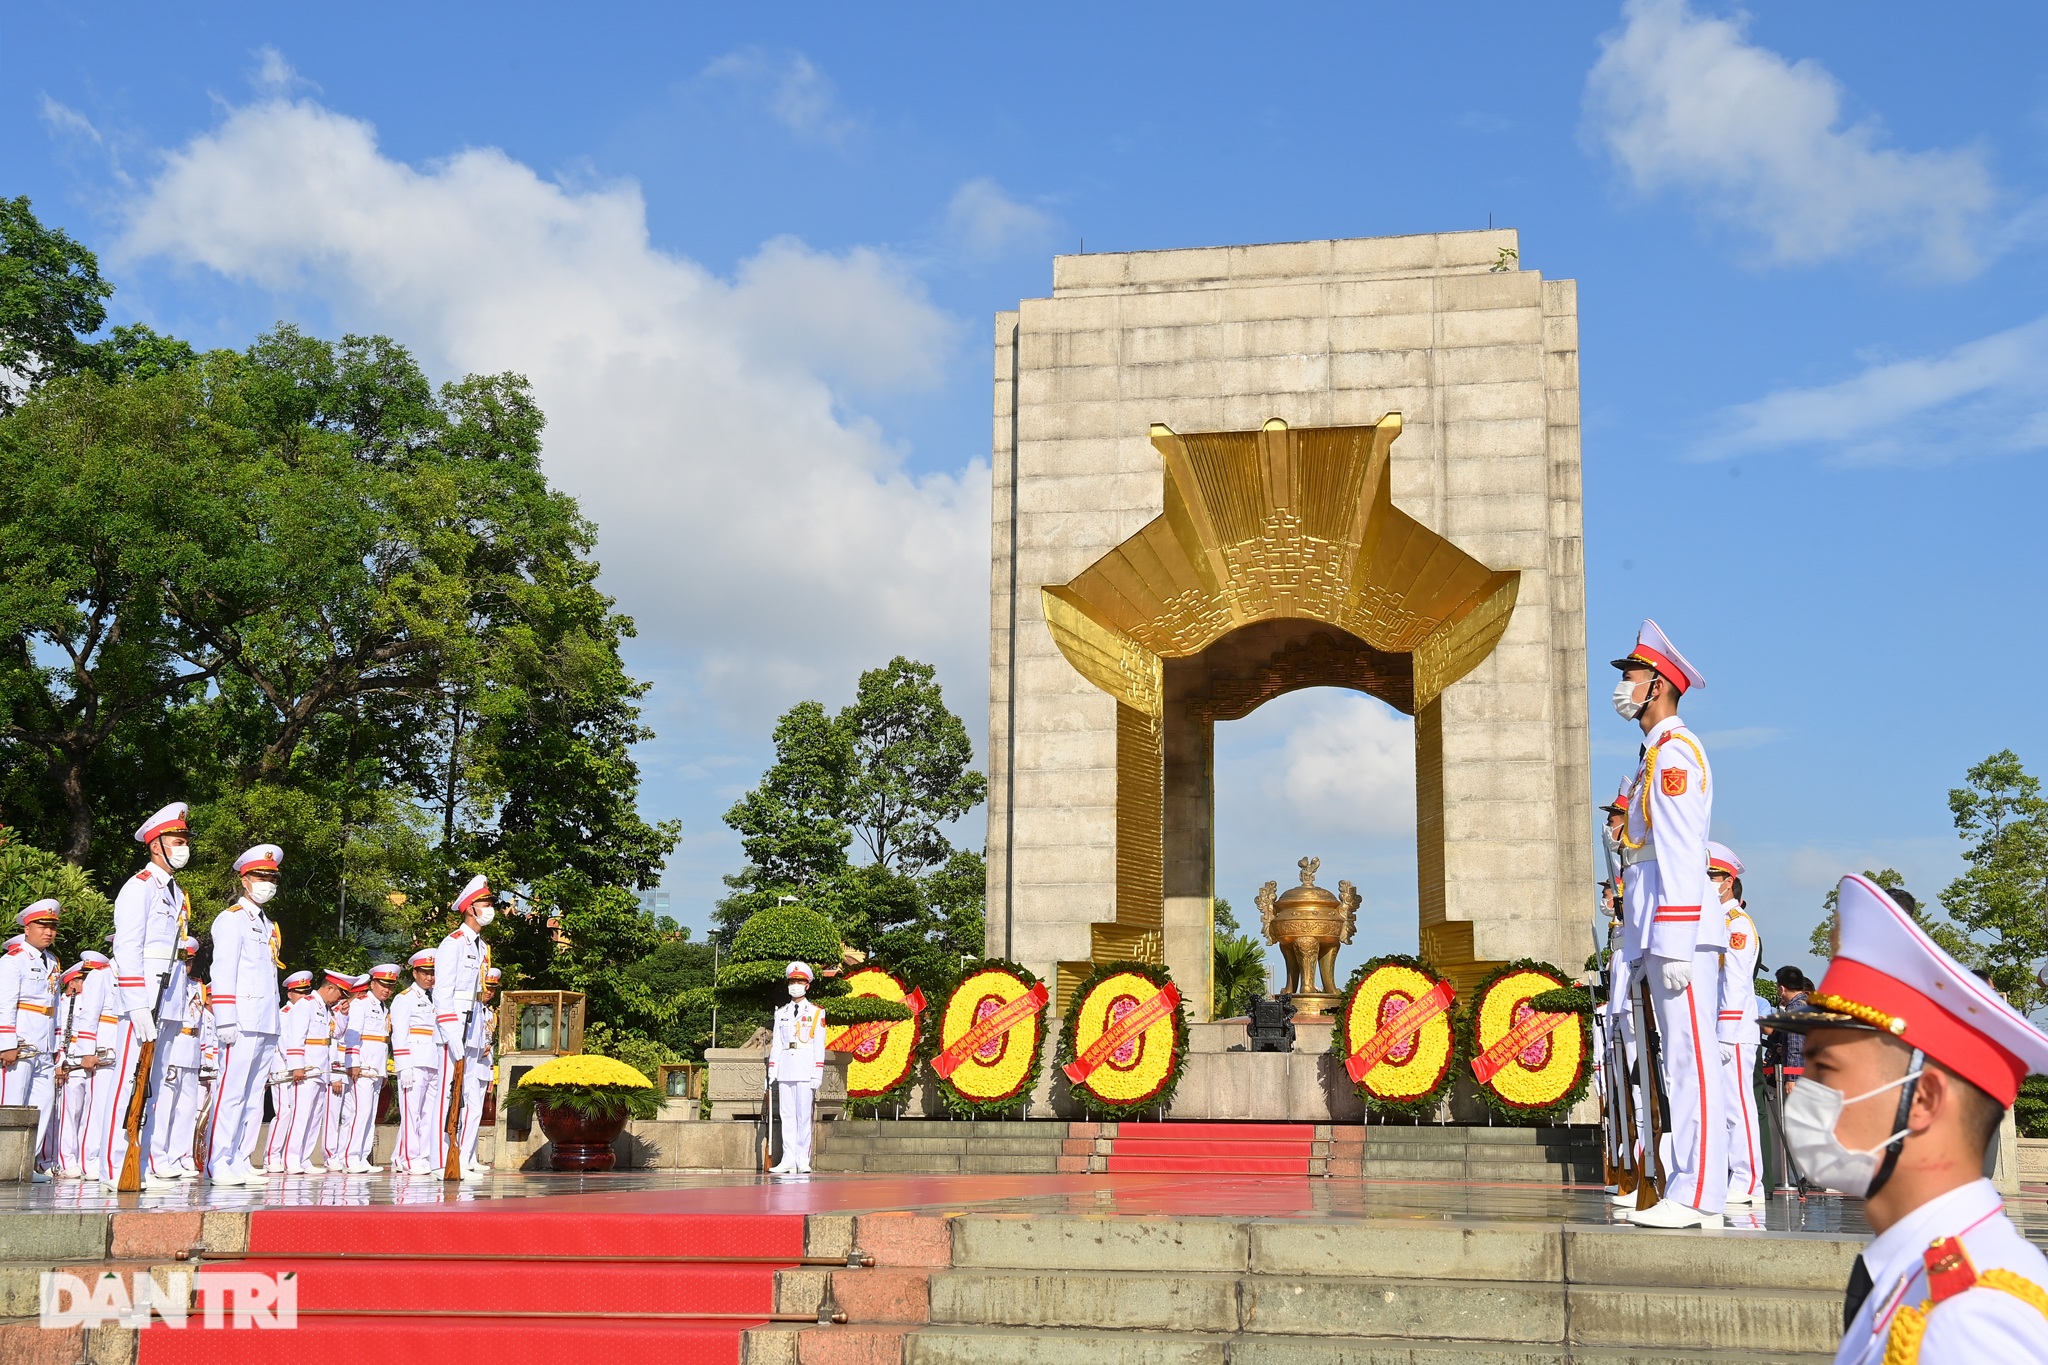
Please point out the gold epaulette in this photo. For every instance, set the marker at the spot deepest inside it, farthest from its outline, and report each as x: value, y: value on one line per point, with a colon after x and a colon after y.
x: 1909, y: 1324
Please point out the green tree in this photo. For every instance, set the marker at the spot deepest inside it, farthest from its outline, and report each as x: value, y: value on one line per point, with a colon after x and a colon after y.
x: 2001, y: 900
x: 1238, y: 964
x: 793, y: 825
x: 28, y: 874
x: 51, y: 297
x: 1821, y: 942
x: 911, y: 773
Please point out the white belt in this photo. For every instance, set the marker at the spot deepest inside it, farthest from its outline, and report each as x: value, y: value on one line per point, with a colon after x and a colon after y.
x: 465, y: 998
x: 164, y: 957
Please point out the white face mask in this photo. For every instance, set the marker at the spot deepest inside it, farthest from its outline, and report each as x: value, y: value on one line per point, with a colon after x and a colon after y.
x: 797, y: 989
x: 1811, y: 1112
x: 485, y: 914
x: 1625, y: 704
x: 262, y: 892
x: 177, y: 855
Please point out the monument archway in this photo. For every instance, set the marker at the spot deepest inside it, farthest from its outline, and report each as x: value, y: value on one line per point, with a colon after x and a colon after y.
x: 1225, y: 474
x: 1279, y: 563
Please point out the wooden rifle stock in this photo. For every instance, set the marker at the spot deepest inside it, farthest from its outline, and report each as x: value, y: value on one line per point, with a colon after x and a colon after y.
x: 138, y: 1097
x: 453, y: 1170
x: 1651, y: 1188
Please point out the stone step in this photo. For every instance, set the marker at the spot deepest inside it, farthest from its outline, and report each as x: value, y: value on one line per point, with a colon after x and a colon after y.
x: 1390, y: 1306
x: 938, y: 1164
x: 1531, y: 1172
x: 953, y: 1345
x: 1461, y: 1134
x: 953, y: 1146
x: 1050, y: 1128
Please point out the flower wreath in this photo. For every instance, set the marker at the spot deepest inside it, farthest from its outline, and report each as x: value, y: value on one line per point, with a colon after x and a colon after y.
x: 1546, y: 1078
x: 1143, y: 1072
x: 1411, y: 1080
x: 883, y: 1054
x: 1000, y: 1076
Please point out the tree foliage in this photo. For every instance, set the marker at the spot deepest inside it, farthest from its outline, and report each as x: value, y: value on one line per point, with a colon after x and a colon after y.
x: 1239, y: 965
x: 51, y: 298
x: 2001, y: 900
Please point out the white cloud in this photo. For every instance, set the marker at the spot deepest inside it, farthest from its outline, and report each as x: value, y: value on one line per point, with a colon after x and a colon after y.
x: 1685, y: 102
x: 274, y: 76
x: 800, y: 96
x: 986, y: 222
x: 1349, y: 767
x: 1988, y: 396
x: 759, y: 533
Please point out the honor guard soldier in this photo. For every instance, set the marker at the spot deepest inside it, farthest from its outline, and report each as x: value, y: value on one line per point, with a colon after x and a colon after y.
x: 1620, y: 1016
x: 287, y: 1070
x: 341, y: 1095
x: 417, y: 1059
x: 1911, y: 1063
x: 174, y: 1095
x: 149, y: 921
x: 1738, y: 1029
x: 94, y: 1013
x: 28, y: 1017
x: 459, y: 966
x: 1674, y: 933
x: 308, y: 1042
x: 70, y: 1098
x: 369, y: 1032
x: 479, y: 1057
x: 246, y: 1018
x: 796, y: 1065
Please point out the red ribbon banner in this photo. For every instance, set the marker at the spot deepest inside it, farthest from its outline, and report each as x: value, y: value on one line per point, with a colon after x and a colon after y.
x: 1399, y: 1029
x: 858, y: 1036
x: 1122, y: 1031
x: 998, y: 1022
x: 1522, y: 1036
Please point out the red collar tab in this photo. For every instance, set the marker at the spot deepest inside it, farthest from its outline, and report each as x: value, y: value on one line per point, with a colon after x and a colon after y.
x: 1949, y: 1271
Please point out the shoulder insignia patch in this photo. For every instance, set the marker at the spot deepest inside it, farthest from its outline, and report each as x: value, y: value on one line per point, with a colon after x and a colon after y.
x: 1673, y: 780
x: 143, y: 875
x: 1738, y: 940
x: 13, y: 948
x: 1949, y: 1271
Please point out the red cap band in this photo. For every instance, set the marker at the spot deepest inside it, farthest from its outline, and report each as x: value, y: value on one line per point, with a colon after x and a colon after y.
x: 1667, y: 670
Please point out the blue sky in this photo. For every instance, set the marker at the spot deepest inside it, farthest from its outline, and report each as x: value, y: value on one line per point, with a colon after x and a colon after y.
x: 749, y: 258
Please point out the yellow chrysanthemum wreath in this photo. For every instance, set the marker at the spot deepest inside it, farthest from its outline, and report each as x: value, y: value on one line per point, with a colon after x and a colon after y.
x: 1410, y: 1080
x: 1143, y: 1071
x: 889, y: 1056
x: 999, y: 1075
x: 1547, y: 1077
x: 587, y: 1069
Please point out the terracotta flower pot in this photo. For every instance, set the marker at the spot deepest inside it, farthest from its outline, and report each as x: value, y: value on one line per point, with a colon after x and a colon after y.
x: 579, y: 1143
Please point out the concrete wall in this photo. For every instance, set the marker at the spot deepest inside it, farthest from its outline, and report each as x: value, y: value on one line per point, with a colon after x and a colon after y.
x: 1483, y: 366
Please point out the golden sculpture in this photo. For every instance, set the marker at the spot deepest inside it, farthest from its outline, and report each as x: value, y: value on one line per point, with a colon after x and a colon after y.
x: 1258, y: 526
x: 1309, y: 923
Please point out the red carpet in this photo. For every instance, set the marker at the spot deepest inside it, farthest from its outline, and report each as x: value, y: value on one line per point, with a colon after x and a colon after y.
x: 482, y: 1279
x: 1212, y: 1148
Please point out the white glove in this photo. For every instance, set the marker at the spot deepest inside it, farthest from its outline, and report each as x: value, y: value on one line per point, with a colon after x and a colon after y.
x: 228, y: 1034
x: 1728, y: 1054
x: 1676, y: 973
x: 144, y: 1026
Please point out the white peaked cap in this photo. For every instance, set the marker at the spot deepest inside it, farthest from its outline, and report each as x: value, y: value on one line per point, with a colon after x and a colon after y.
x: 1655, y: 650
x: 797, y: 969
x: 169, y: 820
x: 261, y: 858
x: 1890, y: 975
x: 1723, y: 857
x: 476, y: 888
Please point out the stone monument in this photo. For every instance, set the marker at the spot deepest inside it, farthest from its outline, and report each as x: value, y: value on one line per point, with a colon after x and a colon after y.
x: 1225, y: 474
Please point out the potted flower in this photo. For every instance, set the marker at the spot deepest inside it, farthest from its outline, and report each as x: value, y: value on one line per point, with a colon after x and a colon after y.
x: 583, y: 1103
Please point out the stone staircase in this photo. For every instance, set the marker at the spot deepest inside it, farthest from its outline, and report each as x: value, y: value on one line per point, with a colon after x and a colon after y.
x: 1479, y: 1154
x: 940, y: 1147
x: 1007, y: 1289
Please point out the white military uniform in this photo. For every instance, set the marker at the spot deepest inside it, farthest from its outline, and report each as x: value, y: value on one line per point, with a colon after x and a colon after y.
x: 52, y: 1154
x: 479, y: 1055
x: 89, y: 1018
x: 149, y: 921
x: 1671, y: 917
x: 418, y: 1060
x: 174, y: 1099
x: 459, y: 966
x: 1738, y: 1032
x: 796, y: 1066
x: 245, y: 998
x: 339, y: 1110
x: 28, y: 1021
x: 307, y: 1044
x: 369, y: 1043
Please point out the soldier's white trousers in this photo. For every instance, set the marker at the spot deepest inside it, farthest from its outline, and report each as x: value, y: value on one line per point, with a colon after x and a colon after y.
x: 794, y: 1100
x: 1693, y: 1083
x: 32, y: 1080
x: 309, y: 1112
x: 334, y: 1133
x: 237, y: 1111
x: 364, y: 1094
x: 1745, y: 1135
x: 419, y: 1092
x: 106, y: 1121
x: 73, y: 1104
x: 173, y: 1109
x: 476, y: 1084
